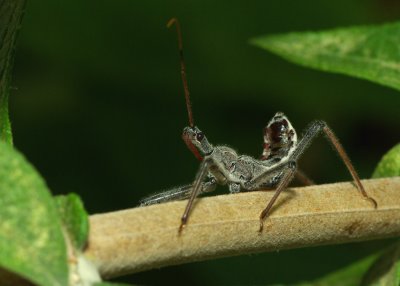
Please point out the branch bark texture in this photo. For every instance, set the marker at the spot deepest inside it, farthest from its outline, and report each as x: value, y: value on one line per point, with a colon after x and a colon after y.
x: 143, y: 238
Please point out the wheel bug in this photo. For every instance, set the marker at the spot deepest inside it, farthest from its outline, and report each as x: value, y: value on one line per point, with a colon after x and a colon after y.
x: 221, y: 165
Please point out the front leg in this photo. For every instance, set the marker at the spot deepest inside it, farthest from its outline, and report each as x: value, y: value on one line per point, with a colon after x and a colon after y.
x: 196, y: 187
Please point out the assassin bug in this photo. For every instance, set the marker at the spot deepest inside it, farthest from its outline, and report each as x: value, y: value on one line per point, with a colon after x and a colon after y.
x: 221, y: 165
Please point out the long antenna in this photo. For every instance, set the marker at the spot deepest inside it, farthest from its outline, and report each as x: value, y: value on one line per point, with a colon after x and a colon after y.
x: 183, y: 70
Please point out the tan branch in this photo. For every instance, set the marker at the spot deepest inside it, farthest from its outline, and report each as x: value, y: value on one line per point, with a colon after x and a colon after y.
x: 144, y: 238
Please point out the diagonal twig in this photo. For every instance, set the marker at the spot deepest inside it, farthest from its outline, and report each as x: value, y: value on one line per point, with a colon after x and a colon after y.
x: 143, y: 238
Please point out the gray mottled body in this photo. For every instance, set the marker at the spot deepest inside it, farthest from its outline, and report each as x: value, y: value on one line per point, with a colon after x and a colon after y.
x: 240, y: 172
x: 275, y: 169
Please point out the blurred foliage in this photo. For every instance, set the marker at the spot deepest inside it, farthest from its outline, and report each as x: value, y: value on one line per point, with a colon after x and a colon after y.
x: 10, y: 19
x: 348, y: 276
x: 31, y: 239
x: 389, y: 166
x: 386, y: 269
x: 381, y: 268
x: 74, y: 218
x: 98, y: 107
x: 369, y: 52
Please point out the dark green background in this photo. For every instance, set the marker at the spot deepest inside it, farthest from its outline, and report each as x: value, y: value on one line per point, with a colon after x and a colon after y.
x: 98, y: 107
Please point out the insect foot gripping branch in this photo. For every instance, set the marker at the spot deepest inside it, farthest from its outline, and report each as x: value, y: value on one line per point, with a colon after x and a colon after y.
x: 221, y: 165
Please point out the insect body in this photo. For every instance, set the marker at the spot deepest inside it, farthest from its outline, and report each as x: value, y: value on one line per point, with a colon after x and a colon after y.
x: 221, y: 165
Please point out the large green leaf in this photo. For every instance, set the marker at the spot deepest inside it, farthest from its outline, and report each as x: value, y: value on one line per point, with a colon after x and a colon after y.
x: 386, y: 269
x: 11, y: 12
x: 389, y: 166
x: 75, y: 219
x: 369, y: 52
x: 31, y: 237
x: 348, y: 276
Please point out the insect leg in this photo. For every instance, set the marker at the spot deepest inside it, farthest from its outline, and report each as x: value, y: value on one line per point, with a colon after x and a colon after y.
x: 196, y: 187
x: 303, y: 178
x: 287, y: 177
x: 178, y: 193
x: 234, y: 188
x: 315, y: 128
x: 259, y: 181
x: 284, y: 174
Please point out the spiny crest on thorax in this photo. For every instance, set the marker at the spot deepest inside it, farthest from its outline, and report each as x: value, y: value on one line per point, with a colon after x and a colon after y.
x: 280, y: 138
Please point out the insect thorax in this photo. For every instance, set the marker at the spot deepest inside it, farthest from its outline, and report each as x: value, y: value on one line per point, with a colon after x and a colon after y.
x: 238, y: 168
x: 280, y: 139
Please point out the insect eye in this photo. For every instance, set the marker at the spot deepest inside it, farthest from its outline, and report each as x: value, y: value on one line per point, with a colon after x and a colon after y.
x: 199, y: 136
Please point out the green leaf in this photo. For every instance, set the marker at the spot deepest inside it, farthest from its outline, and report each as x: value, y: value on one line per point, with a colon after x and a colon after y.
x: 11, y: 12
x: 31, y: 238
x: 389, y: 166
x: 368, y: 52
x: 74, y: 218
x: 386, y: 269
x: 348, y: 276
x: 5, y: 124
